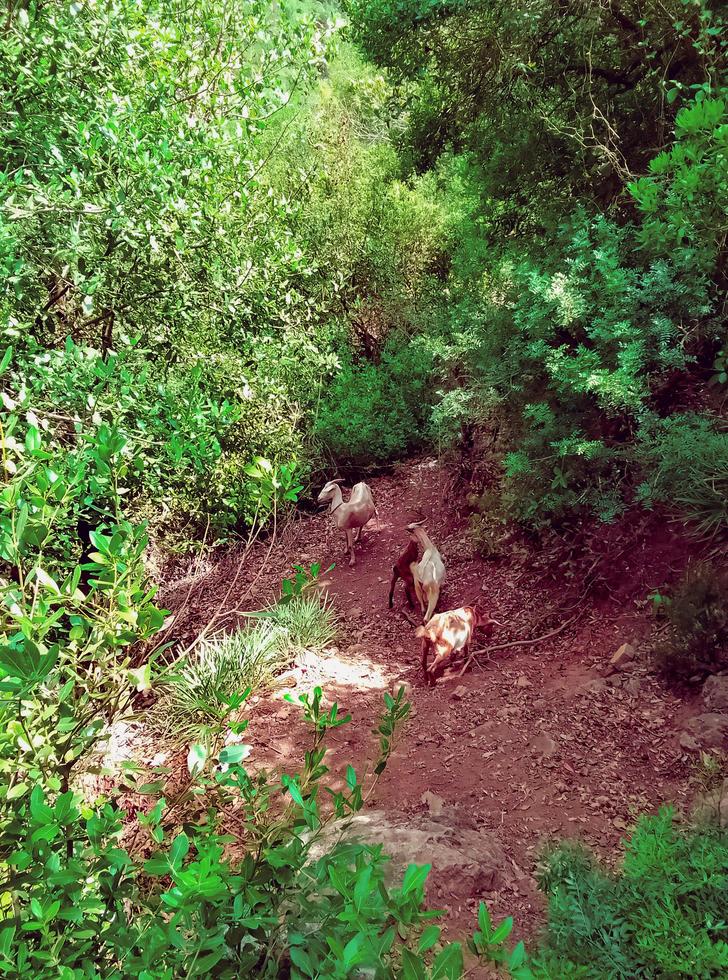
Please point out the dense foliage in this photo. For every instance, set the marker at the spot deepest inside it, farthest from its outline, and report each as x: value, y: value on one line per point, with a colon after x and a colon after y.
x: 241, y: 246
x: 584, y: 162
x: 661, y: 915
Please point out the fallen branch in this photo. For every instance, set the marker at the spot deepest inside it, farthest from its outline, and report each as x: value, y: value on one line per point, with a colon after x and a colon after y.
x: 518, y: 643
x: 405, y: 616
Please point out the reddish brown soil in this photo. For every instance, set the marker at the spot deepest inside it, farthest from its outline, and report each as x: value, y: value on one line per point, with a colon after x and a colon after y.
x: 533, y: 745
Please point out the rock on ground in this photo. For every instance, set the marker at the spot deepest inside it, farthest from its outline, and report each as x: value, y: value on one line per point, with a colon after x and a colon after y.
x: 424, y: 839
x: 715, y: 693
x: 712, y: 807
x: 710, y: 730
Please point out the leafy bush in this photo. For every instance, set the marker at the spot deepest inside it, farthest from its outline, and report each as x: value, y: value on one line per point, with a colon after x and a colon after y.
x: 661, y: 915
x: 684, y: 199
x: 685, y: 461
x: 307, y: 623
x: 375, y: 414
x: 697, y: 614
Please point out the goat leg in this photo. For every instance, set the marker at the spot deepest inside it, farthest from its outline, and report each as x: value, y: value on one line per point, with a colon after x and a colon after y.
x: 425, y: 652
x: 395, y: 576
x: 350, y: 548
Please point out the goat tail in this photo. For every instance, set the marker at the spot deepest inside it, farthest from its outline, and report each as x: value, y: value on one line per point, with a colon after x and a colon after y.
x: 421, y: 632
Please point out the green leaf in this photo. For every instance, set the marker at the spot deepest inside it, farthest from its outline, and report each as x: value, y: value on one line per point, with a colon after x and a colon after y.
x: 301, y: 960
x: 484, y: 920
x: 412, y: 966
x: 429, y: 938
x: 141, y: 677
x: 32, y: 439
x: 517, y: 957
x: 233, y: 754
x: 45, y: 579
x: 415, y: 877
x: 362, y: 887
x: 18, y: 790
x: 178, y: 850
x: 350, y: 777
x: 196, y: 758
x: 502, y: 932
x: 353, y: 951
x: 7, y: 357
x: 294, y: 791
x: 448, y: 963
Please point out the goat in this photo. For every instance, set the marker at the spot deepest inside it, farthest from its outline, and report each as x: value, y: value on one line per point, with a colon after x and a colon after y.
x: 449, y: 633
x: 403, y: 569
x: 429, y: 572
x: 351, y: 515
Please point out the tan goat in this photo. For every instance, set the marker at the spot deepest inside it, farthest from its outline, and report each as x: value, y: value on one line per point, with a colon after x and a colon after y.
x: 350, y: 515
x: 428, y: 572
x: 450, y: 633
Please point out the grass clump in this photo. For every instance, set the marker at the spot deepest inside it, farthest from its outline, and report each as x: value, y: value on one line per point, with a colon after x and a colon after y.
x: 686, y: 461
x: 661, y: 915
x: 307, y: 623
x: 247, y: 660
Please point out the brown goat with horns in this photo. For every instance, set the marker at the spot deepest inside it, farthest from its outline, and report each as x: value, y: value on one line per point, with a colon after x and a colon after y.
x: 403, y: 569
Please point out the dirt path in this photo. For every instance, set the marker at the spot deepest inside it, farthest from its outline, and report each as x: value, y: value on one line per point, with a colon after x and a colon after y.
x: 534, y: 746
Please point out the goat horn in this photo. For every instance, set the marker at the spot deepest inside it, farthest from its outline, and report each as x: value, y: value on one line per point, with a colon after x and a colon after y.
x: 339, y: 480
x: 494, y: 622
x: 416, y: 524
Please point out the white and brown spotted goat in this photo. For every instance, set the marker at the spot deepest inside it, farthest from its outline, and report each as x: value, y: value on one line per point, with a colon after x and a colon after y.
x: 448, y: 634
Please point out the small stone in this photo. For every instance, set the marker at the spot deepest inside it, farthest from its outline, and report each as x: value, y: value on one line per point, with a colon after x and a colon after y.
x: 459, y: 693
x: 619, y: 823
x: 435, y: 803
x: 624, y: 655
x: 715, y: 693
x: 633, y: 685
x: 522, y: 681
x: 595, y: 686
x: 544, y: 746
x: 356, y: 612
x: 712, y: 807
x: 399, y: 649
x: 709, y: 730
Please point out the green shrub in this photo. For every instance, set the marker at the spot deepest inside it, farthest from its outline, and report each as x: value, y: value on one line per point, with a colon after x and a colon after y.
x: 377, y: 413
x: 684, y: 199
x: 697, y: 614
x: 308, y: 623
x: 662, y: 914
x: 685, y: 464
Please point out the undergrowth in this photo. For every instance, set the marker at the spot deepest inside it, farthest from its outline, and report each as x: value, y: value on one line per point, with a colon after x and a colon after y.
x: 697, y: 621
x: 199, y: 693
x: 662, y: 914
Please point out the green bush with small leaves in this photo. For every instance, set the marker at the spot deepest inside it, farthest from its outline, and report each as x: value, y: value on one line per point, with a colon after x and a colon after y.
x: 661, y: 914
